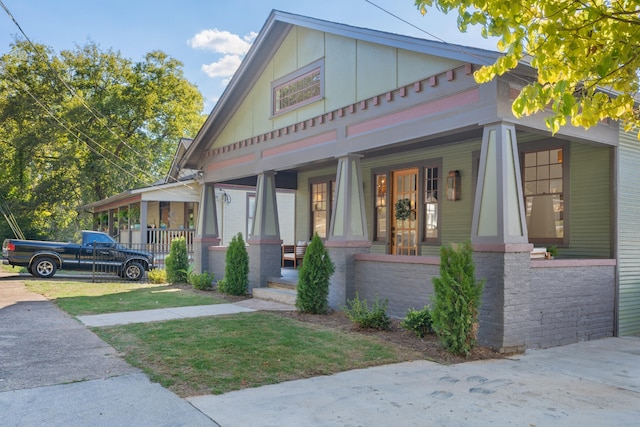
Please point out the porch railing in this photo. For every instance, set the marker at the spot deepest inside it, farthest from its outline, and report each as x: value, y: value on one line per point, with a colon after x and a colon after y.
x: 159, y: 240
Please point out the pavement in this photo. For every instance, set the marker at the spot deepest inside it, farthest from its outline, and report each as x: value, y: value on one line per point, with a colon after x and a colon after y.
x: 56, y: 372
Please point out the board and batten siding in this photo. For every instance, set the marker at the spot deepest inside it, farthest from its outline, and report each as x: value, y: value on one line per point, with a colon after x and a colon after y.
x: 628, y: 194
x: 353, y: 70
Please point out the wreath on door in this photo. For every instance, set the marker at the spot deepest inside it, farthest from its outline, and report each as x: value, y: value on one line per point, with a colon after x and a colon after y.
x: 403, y: 209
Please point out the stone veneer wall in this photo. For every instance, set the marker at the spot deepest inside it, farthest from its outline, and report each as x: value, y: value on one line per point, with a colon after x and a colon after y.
x: 216, y: 261
x: 571, y: 301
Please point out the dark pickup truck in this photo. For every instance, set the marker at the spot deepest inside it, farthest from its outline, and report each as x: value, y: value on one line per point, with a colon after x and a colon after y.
x: 97, y: 252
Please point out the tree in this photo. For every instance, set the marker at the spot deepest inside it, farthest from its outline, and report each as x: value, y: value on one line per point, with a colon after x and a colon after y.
x: 83, y: 125
x: 313, y: 279
x: 236, y: 269
x: 585, y: 54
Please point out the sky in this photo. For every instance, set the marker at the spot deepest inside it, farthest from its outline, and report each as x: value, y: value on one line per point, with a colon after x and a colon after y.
x: 209, y: 37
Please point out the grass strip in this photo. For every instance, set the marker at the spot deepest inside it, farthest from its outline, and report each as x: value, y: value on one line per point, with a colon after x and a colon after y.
x: 82, y: 298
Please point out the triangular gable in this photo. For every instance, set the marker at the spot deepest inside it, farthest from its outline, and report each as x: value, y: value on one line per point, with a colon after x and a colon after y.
x: 270, y: 41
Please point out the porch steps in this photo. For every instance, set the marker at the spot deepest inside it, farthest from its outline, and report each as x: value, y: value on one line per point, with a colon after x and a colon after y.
x: 278, y: 290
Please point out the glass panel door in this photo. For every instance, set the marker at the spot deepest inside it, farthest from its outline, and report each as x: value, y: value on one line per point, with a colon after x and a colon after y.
x: 404, y: 232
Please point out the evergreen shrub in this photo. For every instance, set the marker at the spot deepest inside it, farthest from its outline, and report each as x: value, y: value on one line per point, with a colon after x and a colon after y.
x: 313, y: 279
x: 418, y: 321
x: 177, y: 262
x: 358, y: 312
x: 236, y: 269
x: 457, y: 300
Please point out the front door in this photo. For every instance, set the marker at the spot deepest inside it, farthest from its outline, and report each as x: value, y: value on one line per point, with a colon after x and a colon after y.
x: 404, y: 229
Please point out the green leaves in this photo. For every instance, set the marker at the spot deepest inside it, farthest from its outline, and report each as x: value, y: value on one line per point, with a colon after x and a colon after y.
x: 572, y: 45
x: 313, y: 279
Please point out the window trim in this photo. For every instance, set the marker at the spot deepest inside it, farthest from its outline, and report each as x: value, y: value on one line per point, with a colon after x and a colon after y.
x: 249, y: 196
x: 293, y: 77
x: 330, y: 180
x: 566, y: 155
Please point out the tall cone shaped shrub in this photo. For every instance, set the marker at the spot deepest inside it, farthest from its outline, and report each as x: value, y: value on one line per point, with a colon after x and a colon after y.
x: 457, y: 299
x: 236, y: 269
x: 313, y: 279
x: 177, y: 262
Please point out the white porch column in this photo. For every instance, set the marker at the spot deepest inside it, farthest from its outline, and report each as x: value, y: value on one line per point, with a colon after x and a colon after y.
x: 348, y: 233
x: 207, y: 233
x: 264, y: 240
x: 500, y: 242
x: 144, y: 209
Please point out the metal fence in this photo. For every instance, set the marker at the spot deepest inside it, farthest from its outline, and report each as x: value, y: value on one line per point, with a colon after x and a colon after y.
x: 126, y: 261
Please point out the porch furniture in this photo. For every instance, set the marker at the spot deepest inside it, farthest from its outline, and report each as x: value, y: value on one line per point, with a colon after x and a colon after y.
x: 294, y: 253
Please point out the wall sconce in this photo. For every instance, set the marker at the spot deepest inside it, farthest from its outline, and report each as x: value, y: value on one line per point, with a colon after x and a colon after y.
x: 453, y: 185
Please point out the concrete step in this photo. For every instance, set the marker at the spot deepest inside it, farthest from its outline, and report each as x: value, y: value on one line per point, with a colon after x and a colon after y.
x: 284, y: 296
x: 279, y: 283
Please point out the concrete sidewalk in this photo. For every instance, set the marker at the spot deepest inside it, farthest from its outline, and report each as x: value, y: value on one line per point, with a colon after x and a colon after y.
x: 55, y: 372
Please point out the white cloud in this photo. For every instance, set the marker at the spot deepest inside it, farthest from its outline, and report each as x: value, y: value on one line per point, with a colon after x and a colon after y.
x: 222, y: 42
x: 225, y: 67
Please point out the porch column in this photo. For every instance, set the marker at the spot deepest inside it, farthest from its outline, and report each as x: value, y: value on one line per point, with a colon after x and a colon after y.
x: 144, y: 210
x: 207, y: 234
x: 500, y: 242
x: 348, y: 233
x: 264, y: 239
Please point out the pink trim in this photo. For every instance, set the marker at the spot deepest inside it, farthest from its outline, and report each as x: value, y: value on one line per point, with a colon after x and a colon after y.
x: 433, y: 81
x: 403, y: 91
x: 231, y: 162
x: 363, y: 105
x: 417, y: 86
x: 376, y: 100
x: 347, y: 244
x: 389, y: 96
x: 217, y: 248
x: 421, y: 111
x: 398, y: 259
x: 450, y: 75
x: 215, y: 241
x: 503, y: 247
x: 556, y: 263
x: 468, y: 69
x: 513, y: 93
x: 300, y: 144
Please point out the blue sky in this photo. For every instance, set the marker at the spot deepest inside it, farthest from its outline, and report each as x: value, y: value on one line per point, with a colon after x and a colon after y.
x: 209, y: 37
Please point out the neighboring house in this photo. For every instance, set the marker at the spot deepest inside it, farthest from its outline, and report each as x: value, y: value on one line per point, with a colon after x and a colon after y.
x: 157, y: 214
x: 393, y: 150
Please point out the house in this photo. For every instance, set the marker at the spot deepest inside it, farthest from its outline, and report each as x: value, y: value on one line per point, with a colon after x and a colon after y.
x: 393, y: 150
x: 157, y: 214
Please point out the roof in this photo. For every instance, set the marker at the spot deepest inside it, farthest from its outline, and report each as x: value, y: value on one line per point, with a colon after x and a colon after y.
x: 269, y: 39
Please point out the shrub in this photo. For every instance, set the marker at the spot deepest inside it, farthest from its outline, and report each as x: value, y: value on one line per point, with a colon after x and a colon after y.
x: 457, y: 299
x: 158, y: 275
x: 236, y: 269
x: 177, y: 262
x: 202, y: 282
x: 358, y: 312
x: 418, y: 321
x: 313, y: 279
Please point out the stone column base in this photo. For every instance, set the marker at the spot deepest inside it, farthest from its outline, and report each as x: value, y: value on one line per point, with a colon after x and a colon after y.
x: 265, y: 260
x: 343, y: 281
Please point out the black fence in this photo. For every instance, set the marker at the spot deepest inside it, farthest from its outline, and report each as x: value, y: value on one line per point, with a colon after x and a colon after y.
x: 124, y: 261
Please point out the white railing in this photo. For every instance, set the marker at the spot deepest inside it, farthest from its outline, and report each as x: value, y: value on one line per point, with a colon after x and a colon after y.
x: 161, y: 238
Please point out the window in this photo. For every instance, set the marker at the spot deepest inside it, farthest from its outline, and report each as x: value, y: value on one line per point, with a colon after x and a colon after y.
x: 299, y: 88
x: 322, y: 197
x: 544, y: 195
x: 431, y: 197
x: 164, y: 214
x: 251, y: 212
x: 381, y: 207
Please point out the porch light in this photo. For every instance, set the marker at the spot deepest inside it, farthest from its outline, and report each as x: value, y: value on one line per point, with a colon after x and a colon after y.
x: 453, y: 185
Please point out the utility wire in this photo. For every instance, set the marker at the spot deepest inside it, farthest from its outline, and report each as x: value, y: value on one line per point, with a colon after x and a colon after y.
x: 101, y: 119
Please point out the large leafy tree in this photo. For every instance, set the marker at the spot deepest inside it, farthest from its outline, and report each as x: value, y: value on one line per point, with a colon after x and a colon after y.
x: 85, y: 124
x: 585, y: 54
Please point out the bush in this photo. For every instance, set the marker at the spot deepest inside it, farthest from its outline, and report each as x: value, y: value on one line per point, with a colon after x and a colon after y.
x: 236, y: 269
x: 457, y: 300
x: 177, y: 262
x: 358, y: 312
x: 418, y: 321
x: 202, y: 282
x: 313, y: 279
x: 157, y: 276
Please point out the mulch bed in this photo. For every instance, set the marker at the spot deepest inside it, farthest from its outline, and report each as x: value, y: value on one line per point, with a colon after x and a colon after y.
x: 429, y: 346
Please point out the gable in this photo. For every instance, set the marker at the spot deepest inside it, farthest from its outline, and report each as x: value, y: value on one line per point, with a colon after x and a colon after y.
x: 353, y: 70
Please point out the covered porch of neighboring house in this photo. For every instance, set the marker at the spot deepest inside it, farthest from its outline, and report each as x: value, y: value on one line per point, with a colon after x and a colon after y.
x: 151, y: 216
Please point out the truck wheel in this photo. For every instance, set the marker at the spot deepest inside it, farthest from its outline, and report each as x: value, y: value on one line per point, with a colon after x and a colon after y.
x: 44, y: 267
x: 133, y: 271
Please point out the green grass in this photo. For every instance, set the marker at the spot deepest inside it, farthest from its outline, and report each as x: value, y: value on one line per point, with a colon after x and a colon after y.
x: 82, y: 298
x: 221, y: 354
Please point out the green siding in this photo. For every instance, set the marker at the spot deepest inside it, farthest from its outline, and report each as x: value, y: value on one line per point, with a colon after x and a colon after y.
x: 629, y: 234
x: 590, y: 202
